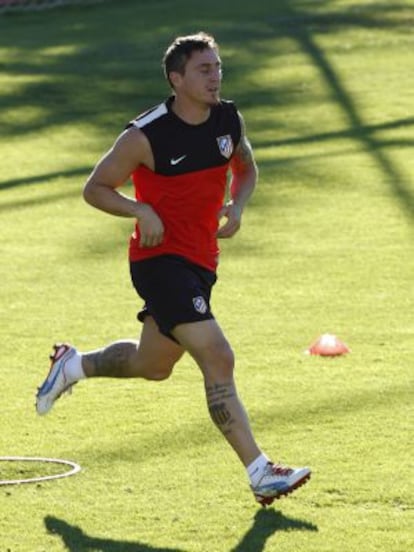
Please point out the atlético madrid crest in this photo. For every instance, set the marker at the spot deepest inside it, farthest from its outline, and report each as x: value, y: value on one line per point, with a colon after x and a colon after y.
x: 225, y: 144
x: 199, y: 304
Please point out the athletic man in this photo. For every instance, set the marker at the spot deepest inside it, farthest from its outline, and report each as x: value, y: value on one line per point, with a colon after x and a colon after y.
x: 178, y: 155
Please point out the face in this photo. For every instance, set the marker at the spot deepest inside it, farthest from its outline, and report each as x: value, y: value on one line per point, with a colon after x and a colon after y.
x: 202, y: 78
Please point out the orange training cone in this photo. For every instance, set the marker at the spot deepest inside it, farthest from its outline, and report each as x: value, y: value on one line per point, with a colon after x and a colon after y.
x: 327, y: 345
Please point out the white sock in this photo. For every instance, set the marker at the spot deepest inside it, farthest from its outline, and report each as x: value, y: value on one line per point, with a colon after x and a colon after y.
x: 73, y: 368
x: 256, y: 468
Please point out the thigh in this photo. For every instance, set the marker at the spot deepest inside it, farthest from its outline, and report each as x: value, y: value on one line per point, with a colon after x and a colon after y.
x: 156, y: 354
x: 207, y: 344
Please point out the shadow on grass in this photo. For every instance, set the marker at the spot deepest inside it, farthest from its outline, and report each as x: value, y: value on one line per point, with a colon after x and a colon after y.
x: 43, y: 178
x: 8, y: 206
x: 302, y: 33
x: 50, y: 68
x: 75, y: 540
x: 266, y: 523
x: 354, y: 132
x: 24, y: 201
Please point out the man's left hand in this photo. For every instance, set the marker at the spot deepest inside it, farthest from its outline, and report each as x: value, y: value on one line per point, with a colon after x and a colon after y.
x: 232, y: 212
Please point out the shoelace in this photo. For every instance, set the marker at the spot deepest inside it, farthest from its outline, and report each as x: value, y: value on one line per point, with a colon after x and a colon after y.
x: 59, y: 350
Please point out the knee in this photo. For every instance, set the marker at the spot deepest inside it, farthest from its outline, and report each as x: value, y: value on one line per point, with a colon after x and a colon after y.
x: 158, y: 376
x: 220, y: 365
x: 158, y: 373
x: 227, y: 360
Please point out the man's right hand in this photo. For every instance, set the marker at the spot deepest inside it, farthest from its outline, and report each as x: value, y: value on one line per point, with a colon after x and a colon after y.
x: 150, y: 226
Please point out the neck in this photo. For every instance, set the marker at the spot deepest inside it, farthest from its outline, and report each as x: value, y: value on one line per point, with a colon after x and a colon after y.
x: 189, y: 112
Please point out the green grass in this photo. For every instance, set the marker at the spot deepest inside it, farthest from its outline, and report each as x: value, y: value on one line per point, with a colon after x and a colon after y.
x: 326, y: 88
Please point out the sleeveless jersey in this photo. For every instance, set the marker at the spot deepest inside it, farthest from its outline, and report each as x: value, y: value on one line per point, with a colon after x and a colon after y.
x: 188, y: 184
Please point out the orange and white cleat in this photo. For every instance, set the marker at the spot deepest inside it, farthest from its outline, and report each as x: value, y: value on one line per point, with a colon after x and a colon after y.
x: 278, y: 481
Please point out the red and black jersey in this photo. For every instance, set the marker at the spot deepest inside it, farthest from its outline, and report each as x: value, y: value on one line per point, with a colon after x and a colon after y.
x: 188, y: 184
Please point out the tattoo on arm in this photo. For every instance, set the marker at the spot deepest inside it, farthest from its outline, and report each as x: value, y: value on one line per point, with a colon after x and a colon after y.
x: 243, y: 157
x: 245, y: 151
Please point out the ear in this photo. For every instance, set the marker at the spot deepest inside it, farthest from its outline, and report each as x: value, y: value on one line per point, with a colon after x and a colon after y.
x: 175, y: 78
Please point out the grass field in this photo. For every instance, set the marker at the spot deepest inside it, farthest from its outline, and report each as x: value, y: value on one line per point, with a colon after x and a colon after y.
x: 326, y: 88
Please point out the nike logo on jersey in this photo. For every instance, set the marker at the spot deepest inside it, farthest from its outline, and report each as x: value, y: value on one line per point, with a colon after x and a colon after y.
x: 176, y: 160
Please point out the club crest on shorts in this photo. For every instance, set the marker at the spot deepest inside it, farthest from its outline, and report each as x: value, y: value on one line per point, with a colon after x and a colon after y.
x: 225, y: 144
x: 199, y: 304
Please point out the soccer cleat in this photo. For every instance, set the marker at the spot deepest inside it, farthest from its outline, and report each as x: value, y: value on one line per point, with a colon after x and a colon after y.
x: 278, y: 481
x: 56, y: 381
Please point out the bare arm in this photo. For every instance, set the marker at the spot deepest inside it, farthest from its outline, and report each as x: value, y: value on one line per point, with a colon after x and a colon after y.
x: 242, y: 185
x: 130, y: 150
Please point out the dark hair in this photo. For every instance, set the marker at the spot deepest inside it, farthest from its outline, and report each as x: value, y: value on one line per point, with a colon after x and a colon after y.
x: 179, y: 52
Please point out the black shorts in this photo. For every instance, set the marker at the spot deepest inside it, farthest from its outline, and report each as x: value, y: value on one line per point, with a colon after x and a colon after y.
x: 175, y: 290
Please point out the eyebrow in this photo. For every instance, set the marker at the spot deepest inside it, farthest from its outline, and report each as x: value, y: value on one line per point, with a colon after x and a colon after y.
x: 206, y: 64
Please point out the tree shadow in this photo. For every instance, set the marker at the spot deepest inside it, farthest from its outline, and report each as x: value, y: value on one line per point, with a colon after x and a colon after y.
x: 294, y: 20
x: 45, y: 177
x: 8, y: 206
x: 75, y: 540
x: 266, y: 523
x: 19, y: 201
x: 303, y: 35
x: 352, y: 132
x: 52, y: 67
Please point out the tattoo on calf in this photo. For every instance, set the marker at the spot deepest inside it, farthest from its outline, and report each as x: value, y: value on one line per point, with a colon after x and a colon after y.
x: 113, y: 360
x: 220, y: 414
x: 218, y: 397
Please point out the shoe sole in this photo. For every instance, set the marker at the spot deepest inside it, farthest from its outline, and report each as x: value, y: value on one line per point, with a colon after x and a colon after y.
x: 268, y: 500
